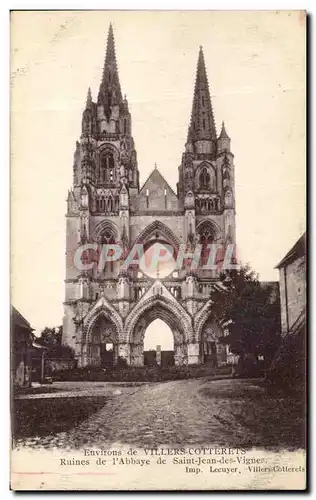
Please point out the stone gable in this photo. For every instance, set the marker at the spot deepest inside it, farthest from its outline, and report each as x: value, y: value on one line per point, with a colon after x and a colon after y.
x: 156, y: 194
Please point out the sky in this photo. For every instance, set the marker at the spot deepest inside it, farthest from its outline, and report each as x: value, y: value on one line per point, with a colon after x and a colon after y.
x: 256, y: 69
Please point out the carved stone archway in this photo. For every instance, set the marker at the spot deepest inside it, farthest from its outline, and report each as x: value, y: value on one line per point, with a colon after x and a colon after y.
x: 111, y: 331
x: 208, y: 332
x: 172, y: 313
x: 102, y: 333
x: 158, y: 230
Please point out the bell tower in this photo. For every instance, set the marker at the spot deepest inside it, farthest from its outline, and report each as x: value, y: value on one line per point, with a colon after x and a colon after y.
x: 206, y: 174
x: 105, y: 179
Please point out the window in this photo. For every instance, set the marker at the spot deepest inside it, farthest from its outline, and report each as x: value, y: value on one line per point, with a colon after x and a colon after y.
x: 204, y: 179
x: 102, y: 171
x: 110, y: 204
x: 228, y: 198
x: 107, y: 168
x: 102, y: 203
x: 107, y: 238
x: 226, y: 178
x: 147, y: 198
x: 125, y: 126
x: 206, y: 238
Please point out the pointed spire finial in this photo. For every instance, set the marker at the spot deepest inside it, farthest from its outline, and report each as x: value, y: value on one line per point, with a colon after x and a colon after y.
x: 202, y: 125
x: 110, y: 47
x: 89, y: 99
x: 125, y: 103
x: 155, y: 166
x: 223, y: 134
x: 110, y: 89
x: 201, y: 76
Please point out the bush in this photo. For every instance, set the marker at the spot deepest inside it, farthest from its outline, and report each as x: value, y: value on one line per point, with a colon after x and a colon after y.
x: 249, y: 367
x: 61, y: 351
x: 124, y: 373
x: 288, y: 368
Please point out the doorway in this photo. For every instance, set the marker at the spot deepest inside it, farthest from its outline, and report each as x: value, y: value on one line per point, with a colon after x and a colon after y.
x: 158, y: 344
x: 107, y: 354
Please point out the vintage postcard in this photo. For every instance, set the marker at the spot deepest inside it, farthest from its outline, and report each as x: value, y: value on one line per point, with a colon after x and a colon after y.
x: 158, y: 250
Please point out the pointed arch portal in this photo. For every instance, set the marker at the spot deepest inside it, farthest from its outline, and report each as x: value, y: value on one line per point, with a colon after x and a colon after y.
x: 158, y: 333
x: 158, y: 344
x: 101, y: 346
x: 172, y: 314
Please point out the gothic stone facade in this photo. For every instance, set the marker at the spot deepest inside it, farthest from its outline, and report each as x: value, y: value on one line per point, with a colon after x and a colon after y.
x: 106, y: 204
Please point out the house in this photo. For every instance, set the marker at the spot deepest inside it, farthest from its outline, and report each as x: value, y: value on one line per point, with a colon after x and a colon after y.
x: 288, y: 367
x: 292, y: 270
x: 24, y: 350
x: 21, y: 344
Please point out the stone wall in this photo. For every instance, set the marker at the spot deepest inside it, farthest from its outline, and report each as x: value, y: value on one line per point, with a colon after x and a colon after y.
x: 57, y: 365
x: 292, y: 293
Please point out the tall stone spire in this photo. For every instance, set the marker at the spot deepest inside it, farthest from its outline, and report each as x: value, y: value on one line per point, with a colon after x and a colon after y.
x: 110, y: 89
x: 202, y: 125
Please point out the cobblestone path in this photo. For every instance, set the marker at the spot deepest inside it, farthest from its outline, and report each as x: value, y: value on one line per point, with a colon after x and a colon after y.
x: 222, y: 412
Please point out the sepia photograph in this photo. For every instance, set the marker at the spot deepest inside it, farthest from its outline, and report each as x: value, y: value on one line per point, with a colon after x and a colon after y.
x: 158, y: 250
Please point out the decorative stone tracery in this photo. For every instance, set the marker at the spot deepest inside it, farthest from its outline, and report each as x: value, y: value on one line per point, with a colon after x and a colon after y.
x: 106, y: 205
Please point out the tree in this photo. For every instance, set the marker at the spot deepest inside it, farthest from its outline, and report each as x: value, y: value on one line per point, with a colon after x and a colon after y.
x: 51, y: 336
x: 250, y: 313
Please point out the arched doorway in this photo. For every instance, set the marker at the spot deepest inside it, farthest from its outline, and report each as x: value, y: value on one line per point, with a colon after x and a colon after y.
x: 158, y: 344
x: 213, y: 352
x: 172, y: 314
x: 102, y: 343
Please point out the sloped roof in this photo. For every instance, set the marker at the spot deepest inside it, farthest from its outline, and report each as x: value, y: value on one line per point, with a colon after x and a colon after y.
x: 18, y: 320
x: 156, y: 173
x: 298, y: 250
